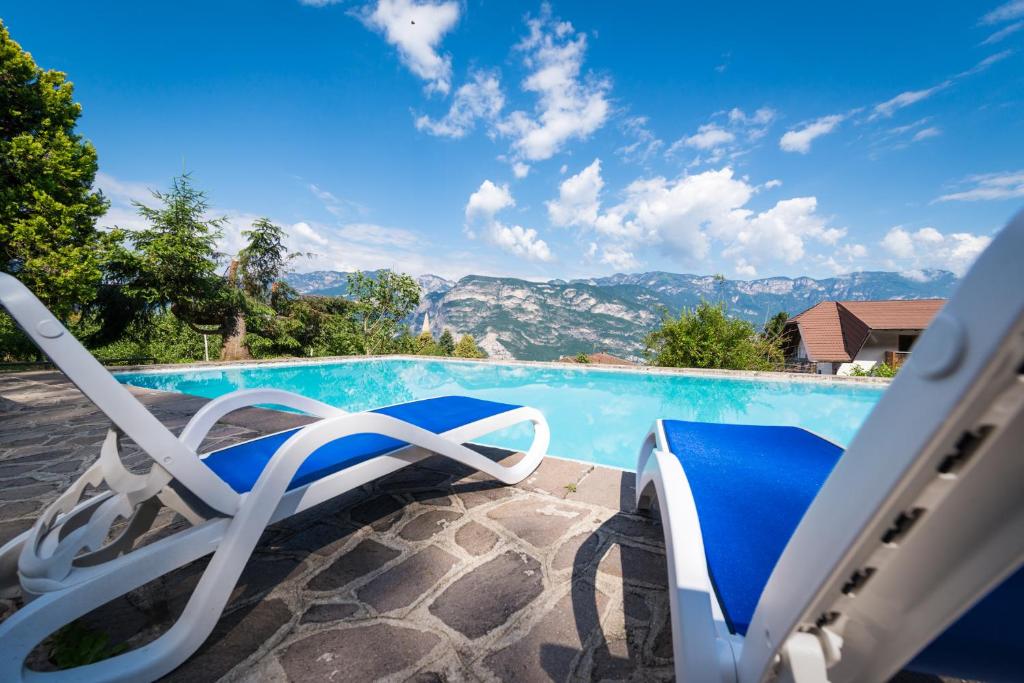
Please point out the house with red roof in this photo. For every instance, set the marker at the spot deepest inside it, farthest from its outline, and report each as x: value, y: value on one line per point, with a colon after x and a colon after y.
x: 832, y: 334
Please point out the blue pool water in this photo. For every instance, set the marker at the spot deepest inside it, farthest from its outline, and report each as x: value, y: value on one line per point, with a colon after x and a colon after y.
x: 595, y: 415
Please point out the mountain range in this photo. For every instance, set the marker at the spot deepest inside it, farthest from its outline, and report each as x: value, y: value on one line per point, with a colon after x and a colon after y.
x: 513, y: 318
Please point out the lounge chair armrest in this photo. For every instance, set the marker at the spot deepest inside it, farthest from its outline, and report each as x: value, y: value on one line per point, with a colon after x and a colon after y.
x: 207, y: 416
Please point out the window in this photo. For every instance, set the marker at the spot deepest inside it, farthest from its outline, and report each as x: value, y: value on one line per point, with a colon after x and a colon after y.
x: 906, y: 341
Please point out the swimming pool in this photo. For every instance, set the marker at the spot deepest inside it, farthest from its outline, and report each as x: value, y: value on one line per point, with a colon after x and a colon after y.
x: 599, y: 416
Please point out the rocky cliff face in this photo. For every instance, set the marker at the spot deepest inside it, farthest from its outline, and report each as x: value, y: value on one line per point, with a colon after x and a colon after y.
x: 513, y: 318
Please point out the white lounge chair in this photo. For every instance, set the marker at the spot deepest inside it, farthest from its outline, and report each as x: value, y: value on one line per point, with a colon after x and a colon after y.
x: 790, y: 560
x: 68, y: 564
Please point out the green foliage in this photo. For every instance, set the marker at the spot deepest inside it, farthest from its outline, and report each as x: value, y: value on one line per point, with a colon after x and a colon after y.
x: 78, y: 645
x: 467, y: 348
x: 381, y: 303
x: 708, y: 338
x: 879, y: 370
x: 263, y: 259
x: 48, y: 210
x: 174, y: 261
x: 775, y: 325
x: 426, y: 346
x: 447, y: 343
x: 582, y: 358
x: 161, y: 336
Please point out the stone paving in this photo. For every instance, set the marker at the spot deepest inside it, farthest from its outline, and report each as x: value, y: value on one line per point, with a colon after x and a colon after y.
x: 435, y: 573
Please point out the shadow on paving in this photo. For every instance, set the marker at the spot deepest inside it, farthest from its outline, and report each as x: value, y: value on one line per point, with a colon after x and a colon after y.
x: 617, y: 657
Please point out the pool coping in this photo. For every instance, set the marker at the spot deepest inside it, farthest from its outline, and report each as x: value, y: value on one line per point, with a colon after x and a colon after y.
x: 760, y: 375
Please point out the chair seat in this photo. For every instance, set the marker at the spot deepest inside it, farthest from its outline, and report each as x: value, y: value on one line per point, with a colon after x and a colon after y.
x: 751, y: 486
x: 241, y: 465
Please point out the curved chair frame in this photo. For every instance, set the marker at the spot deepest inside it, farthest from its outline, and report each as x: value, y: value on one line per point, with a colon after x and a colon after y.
x: 70, y: 562
x: 859, y: 591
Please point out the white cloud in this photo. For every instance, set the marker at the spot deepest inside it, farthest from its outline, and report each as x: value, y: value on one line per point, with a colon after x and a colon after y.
x: 905, y: 99
x: 989, y: 186
x: 925, y: 133
x: 569, y: 106
x: 619, y: 258
x: 336, y: 206
x: 480, y: 99
x: 481, y: 209
x: 692, y: 213
x: 578, y: 198
x: 800, y: 139
x: 644, y: 145
x: 520, y: 241
x: 416, y: 29
x: 744, y: 269
x: 319, y: 3
x: 488, y: 200
x: 928, y: 248
x: 1002, y: 33
x: 709, y: 136
x: 520, y: 170
x: 728, y: 135
x: 305, y: 231
x: 369, y: 233
x: 1014, y: 9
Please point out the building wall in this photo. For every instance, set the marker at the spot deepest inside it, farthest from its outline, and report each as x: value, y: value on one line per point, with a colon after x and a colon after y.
x: 880, y: 341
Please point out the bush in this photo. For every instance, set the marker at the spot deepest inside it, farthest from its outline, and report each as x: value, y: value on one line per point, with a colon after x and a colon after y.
x: 880, y: 370
x: 582, y: 358
x: 707, y: 337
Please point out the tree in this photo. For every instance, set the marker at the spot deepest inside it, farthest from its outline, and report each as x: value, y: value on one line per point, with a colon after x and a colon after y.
x: 174, y: 261
x: 582, y: 357
x: 467, y: 348
x: 256, y: 274
x: 263, y: 259
x: 707, y: 337
x: 48, y: 211
x: 447, y: 342
x: 775, y: 326
x: 381, y: 304
x: 426, y: 346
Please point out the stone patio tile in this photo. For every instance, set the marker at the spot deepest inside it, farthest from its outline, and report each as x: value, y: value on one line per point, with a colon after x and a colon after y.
x: 406, y: 582
x: 379, y: 513
x: 10, y: 529
x: 363, y: 653
x: 411, y: 478
x: 322, y: 538
x: 578, y: 551
x: 635, y: 566
x: 636, y: 528
x: 551, y: 649
x: 606, y: 487
x: 322, y: 613
x: 538, y: 521
x: 554, y: 475
x: 486, y: 597
x: 476, y: 493
x: 359, y: 561
x: 235, y: 637
x: 475, y: 538
x: 428, y: 524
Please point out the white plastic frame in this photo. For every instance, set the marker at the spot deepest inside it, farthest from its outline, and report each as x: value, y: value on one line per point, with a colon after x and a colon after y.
x: 44, y: 562
x: 964, y: 377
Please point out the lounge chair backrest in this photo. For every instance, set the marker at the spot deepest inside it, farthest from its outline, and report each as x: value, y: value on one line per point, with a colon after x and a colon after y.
x: 924, y: 513
x: 110, y: 396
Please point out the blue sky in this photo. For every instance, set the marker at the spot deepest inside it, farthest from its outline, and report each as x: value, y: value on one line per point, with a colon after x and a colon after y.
x: 565, y: 139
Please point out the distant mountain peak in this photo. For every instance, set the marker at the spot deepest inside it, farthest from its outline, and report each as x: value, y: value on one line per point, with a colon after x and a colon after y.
x: 518, y: 318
